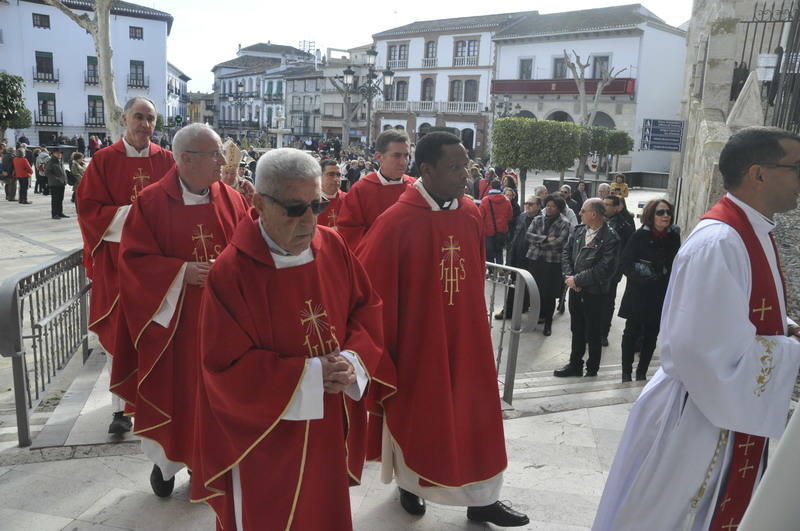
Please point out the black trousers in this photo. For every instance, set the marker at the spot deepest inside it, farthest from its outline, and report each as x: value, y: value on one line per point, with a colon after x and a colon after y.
x: 526, y: 303
x: 635, y: 331
x: 23, y: 189
x: 11, y: 188
x: 549, y: 281
x: 608, y: 308
x: 494, y: 253
x: 586, y: 323
x: 56, y: 200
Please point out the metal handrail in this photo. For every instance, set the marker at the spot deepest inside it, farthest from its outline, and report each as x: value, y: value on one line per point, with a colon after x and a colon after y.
x: 43, y: 321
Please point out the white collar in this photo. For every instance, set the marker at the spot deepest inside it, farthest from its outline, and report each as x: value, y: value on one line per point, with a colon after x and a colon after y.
x: 191, y: 198
x: 386, y: 182
x: 281, y: 256
x: 761, y: 224
x: 329, y: 197
x: 428, y: 199
x: 133, y: 152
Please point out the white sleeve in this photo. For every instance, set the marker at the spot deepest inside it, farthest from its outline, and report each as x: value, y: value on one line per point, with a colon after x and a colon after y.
x: 308, y: 403
x: 164, y: 314
x: 739, y: 380
x: 114, y: 231
x: 356, y: 389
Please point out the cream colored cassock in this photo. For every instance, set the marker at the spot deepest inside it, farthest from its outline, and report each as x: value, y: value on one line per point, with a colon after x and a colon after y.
x: 710, y: 358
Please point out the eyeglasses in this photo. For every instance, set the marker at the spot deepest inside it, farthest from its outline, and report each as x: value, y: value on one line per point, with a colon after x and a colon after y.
x: 295, y: 211
x: 663, y: 212
x: 216, y: 155
x: 795, y: 167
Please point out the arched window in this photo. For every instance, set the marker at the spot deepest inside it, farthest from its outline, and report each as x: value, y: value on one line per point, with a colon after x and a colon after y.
x: 471, y: 90
x: 401, y: 91
x: 430, y: 49
x: 427, y: 89
x: 456, y: 90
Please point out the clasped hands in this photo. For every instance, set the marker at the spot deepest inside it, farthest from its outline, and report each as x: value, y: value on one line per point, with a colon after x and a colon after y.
x: 570, y: 282
x: 337, y: 372
x: 197, y: 273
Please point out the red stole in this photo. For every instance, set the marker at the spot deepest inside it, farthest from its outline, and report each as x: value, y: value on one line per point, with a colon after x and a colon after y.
x: 112, y: 180
x: 159, y: 379
x: 765, y: 314
x: 329, y: 216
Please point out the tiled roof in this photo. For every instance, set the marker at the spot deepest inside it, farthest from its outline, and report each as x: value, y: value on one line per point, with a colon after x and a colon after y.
x: 453, y: 24
x: 119, y: 8
x: 599, y: 19
x: 303, y: 71
x: 266, y: 47
x: 250, y: 63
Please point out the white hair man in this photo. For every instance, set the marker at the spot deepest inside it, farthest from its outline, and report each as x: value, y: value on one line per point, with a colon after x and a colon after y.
x: 603, y: 189
x: 113, y: 180
x: 174, y: 232
x: 286, y: 304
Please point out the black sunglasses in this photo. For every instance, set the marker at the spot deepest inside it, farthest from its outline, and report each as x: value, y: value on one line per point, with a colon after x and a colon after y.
x: 295, y: 211
x: 663, y: 212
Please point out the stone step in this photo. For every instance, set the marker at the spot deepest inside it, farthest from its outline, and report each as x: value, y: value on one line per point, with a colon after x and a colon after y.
x: 542, y: 405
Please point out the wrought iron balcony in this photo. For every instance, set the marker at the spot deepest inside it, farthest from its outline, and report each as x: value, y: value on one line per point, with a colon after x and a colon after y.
x: 91, y: 79
x: 273, y: 98
x: 46, y: 77
x: 623, y: 86
x: 239, y: 124
x: 94, y: 121
x: 460, y: 107
x: 136, y: 81
x: 52, y: 119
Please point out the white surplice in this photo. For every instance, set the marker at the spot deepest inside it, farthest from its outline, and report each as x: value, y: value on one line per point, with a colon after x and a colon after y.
x: 710, y: 360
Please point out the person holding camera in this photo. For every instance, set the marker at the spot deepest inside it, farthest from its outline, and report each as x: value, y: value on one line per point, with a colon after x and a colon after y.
x: 496, y: 212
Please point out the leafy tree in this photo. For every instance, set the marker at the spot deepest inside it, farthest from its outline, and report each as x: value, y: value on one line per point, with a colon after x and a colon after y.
x: 159, y: 122
x: 12, y: 103
x: 22, y: 120
x: 512, y: 146
x: 619, y: 143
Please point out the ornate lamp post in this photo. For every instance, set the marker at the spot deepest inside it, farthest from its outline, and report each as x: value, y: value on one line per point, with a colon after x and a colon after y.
x: 240, y: 100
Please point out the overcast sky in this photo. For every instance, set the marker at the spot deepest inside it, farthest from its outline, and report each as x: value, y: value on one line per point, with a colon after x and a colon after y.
x: 208, y: 32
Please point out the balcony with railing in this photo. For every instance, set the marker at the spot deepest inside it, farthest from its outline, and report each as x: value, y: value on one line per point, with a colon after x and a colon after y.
x: 52, y: 119
x: 471, y: 60
x: 239, y: 124
x: 94, y: 121
x: 91, y: 79
x: 622, y: 86
x: 428, y: 62
x: 394, y: 64
x: 276, y: 97
x: 46, y: 77
x: 459, y: 107
x: 137, y: 81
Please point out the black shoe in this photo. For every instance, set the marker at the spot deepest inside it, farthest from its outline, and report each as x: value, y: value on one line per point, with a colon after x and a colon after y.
x: 56, y: 217
x: 548, y: 329
x: 63, y: 216
x: 120, y: 425
x: 590, y: 373
x: 561, y: 307
x: 26, y: 202
x: 498, y: 514
x: 604, y: 342
x: 500, y: 315
x: 412, y: 503
x: 540, y: 321
x: 161, y: 488
x: 626, y: 377
x: 568, y: 370
x: 641, y: 377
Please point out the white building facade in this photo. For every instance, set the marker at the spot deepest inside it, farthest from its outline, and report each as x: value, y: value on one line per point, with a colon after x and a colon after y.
x: 532, y: 80
x: 177, y: 94
x: 57, y: 60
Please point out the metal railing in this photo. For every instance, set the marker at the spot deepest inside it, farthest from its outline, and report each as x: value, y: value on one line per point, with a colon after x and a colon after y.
x: 46, y: 77
x: 138, y: 81
x: 510, y: 282
x: 54, y: 119
x: 43, y: 322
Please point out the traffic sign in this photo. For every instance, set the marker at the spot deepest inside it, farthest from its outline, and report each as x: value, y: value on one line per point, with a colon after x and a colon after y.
x: 662, y: 135
x: 178, y: 119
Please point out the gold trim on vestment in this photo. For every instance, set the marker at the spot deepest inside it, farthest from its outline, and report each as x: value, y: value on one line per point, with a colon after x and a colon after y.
x: 347, y: 432
x: 299, y: 478
x: 183, y: 290
x: 111, y: 309
x: 112, y: 387
x: 767, y: 365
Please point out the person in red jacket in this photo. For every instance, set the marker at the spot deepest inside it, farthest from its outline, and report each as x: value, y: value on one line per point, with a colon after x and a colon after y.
x: 23, y: 172
x: 496, y: 212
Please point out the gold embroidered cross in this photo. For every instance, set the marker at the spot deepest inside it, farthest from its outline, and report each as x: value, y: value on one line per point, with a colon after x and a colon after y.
x: 764, y: 309
x: 746, y: 445
x: 452, y: 268
x: 332, y: 219
x: 747, y: 466
x: 724, y: 503
x: 730, y: 525
x: 201, y: 236
x: 314, y: 321
x: 139, y: 183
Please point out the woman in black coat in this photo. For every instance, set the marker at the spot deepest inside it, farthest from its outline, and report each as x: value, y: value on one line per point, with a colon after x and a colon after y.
x: 646, y: 261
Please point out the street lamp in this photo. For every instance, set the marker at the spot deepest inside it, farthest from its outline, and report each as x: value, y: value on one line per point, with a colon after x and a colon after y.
x: 240, y: 100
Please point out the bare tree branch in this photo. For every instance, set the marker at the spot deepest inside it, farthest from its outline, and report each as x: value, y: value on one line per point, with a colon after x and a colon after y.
x: 82, y: 20
x: 608, y: 77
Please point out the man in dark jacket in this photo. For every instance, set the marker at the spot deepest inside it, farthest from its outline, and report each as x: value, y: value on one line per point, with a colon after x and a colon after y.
x: 518, y: 250
x: 56, y: 182
x: 7, y: 175
x: 621, y: 225
x: 588, y: 262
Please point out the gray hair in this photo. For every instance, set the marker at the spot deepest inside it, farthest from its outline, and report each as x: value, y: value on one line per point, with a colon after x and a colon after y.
x: 604, y: 186
x: 568, y: 187
x: 539, y: 189
x: 596, y: 204
x: 131, y: 102
x: 280, y: 165
x: 186, y: 136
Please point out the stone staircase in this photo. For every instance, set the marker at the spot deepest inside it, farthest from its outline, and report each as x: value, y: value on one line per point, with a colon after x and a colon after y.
x: 539, y: 392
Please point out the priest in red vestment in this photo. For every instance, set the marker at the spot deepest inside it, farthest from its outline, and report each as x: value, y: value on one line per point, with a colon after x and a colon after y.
x: 375, y: 192
x: 442, y: 430
x: 173, y: 234
x: 331, y: 181
x: 291, y: 332
x: 113, y: 180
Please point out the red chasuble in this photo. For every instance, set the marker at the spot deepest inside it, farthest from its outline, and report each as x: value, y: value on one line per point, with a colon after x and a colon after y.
x: 428, y: 267
x: 365, y: 201
x: 159, y: 379
x: 258, y: 326
x: 330, y: 215
x: 112, y: 180
x: 766, y: 316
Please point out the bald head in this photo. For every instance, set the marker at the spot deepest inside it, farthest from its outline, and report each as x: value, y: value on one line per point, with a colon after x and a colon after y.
x: 593, y: 213
x: 139, y: 118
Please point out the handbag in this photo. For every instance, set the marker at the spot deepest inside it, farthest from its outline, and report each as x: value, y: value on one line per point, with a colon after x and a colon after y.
x: 499, y: 238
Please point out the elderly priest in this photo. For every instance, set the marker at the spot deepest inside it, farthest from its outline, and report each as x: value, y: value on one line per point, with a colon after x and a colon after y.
x: 290, y: 334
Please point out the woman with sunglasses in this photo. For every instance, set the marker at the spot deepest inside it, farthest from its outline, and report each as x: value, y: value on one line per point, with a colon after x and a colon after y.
x: 647, y: 263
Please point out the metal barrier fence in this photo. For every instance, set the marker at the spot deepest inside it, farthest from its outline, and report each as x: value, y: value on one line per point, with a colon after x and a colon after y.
x: 510, y: 282
x: 43, y: 322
